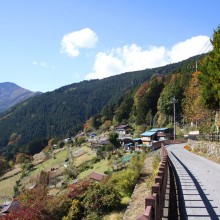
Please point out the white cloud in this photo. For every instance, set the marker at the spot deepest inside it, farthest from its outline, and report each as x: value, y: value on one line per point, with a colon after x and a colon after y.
x: 128, y: 58
x: 43, y: 64
x: 34, y: 62
x: 72, y: 42
x: 189, y: 48
x: 132, y: 57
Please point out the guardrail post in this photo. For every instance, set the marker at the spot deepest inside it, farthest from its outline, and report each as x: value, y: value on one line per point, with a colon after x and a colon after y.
x: 156, y: 192
x: 151, y: 201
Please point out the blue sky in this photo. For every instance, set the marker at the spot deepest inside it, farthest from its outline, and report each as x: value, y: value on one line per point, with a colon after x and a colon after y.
x: 46, y: 44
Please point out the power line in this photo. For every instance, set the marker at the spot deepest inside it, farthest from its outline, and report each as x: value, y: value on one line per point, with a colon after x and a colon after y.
x: 207, y: 45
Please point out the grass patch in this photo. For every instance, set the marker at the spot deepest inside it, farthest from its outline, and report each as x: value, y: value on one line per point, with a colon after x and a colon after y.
x: 101, y: 167
x: 155, y: 167
x: 7, y: 187
x: 85, y: 157
x: 48, y: 164
x: 88, y: 149
x: 114, y: 216
x: 56, y: 161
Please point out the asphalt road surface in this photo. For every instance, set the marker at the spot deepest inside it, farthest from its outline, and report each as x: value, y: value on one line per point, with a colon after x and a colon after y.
x: 199, y: 181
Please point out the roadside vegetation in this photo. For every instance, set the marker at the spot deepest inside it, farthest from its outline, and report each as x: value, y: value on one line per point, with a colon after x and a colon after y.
x: 81, y: 200
x: 209, y: 150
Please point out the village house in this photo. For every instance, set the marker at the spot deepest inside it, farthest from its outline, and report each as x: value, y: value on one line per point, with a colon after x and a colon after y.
x: 97, y: 176
x: 99, y: 143
x: 156, y: 134
x: 147, y: 137
x: 162, y: 133
x: 127, y: 143
x: 123, y: 129
x: 13, y: 206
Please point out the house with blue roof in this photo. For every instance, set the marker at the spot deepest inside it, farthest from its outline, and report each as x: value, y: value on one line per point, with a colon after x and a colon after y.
x: 148, y: 136
x: 156, y: 134
x: 163, y: 133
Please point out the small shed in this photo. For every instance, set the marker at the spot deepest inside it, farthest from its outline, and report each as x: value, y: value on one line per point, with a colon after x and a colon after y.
x: 137, y: 141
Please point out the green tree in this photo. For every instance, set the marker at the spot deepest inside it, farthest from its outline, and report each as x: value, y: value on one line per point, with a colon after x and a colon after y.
x: 123, y: 112
x: 97, y: 121
x: 4, y: 165
x: 124, y: 181
x: 137, y: 162
x: 148, y: 102
x: 149, y: 118
x: 101, y: 198
x: 74, y: 211
x: 60, y: 144
x: 209, y: 79
x: 113, y: 138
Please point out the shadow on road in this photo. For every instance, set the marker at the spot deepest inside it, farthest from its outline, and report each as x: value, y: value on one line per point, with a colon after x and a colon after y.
x: 193, y: 202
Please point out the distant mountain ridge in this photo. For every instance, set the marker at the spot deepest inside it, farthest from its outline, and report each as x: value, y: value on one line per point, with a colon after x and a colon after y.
x: 12, y: 94
x: 63, y: 112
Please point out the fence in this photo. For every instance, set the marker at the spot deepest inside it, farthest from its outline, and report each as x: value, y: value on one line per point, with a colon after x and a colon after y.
x: 206, y: 137
x: 155, y: 202
x: 157, y: 145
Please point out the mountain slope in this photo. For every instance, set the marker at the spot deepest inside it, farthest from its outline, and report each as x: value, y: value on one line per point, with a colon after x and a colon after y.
x: 63, y: 111
x: 12, y: 94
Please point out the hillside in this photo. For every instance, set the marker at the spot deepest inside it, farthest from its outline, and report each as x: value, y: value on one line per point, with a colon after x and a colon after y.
x: 12, y: 94
x: 63, y: 111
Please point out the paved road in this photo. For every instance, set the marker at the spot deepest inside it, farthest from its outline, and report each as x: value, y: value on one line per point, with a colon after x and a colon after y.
x: 200, y: 184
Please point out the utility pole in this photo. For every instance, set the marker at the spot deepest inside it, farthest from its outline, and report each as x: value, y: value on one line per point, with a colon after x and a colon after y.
x: 174, y: 117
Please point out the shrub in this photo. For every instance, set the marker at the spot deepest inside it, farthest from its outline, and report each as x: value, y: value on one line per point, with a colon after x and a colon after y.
x: 100, y: 198
x: 187, y: 147
x: 93, y: 216
x: 124, y: 181
x: 74, y: 211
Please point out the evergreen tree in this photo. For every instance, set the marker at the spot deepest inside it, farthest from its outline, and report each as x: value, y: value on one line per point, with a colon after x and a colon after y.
x: 210, y: 77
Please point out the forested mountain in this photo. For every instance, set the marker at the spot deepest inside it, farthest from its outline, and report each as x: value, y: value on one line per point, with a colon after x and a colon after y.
x: 12, y: 94
x: 63, y: 111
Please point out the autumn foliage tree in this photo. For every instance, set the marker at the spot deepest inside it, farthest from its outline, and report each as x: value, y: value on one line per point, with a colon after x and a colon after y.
x: 76, y: 190
x: 23, y: 213
x: 41, y: 205
x: 193, y: 110
x: 34, y: 198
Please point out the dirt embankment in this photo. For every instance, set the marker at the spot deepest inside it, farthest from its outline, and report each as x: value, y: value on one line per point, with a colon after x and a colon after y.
x: 136, y: 205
